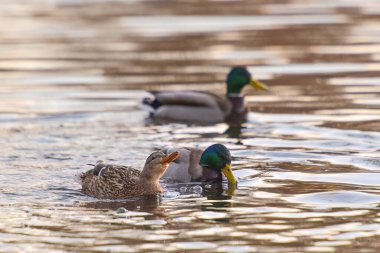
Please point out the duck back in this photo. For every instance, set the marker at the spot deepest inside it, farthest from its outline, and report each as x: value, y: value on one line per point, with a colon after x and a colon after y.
x: 115, y: 181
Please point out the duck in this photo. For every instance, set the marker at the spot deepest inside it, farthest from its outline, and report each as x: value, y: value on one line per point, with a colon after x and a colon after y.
x: 111, y: 181
x: 202, y: 106
x: 195, y: 164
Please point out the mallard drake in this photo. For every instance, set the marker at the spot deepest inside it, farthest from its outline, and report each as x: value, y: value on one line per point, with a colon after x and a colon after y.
x: 118, y: 181
x: 202, y: 106
x: 201, y: 165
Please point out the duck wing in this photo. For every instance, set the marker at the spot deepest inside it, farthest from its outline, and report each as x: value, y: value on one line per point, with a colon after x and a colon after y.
x: 198, y: 106
x: 186, y: 168
x: 113, y: 181
x: 190, y: 98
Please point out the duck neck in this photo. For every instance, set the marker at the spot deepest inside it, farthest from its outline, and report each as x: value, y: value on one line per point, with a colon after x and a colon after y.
x: 211, y: 175
x: 237, y: 103
x: 149, y: 184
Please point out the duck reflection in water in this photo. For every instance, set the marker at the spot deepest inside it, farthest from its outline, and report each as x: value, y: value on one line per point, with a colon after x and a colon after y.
x: 142, y: 204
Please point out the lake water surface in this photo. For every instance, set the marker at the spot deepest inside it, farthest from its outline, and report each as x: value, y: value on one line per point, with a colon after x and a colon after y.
x: 73, y: 73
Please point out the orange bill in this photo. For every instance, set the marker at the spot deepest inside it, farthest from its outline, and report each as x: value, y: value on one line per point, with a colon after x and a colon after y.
x: 169, y: 158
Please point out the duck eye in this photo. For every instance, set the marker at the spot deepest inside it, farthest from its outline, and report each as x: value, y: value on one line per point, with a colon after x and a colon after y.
x: 222, y: 156
x: 153, y: 157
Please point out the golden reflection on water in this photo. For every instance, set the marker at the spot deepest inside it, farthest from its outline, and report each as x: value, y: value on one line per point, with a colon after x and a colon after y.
x: 73, y: 74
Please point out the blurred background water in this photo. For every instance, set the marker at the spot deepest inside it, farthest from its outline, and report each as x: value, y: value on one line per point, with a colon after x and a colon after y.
x: 73, y: 73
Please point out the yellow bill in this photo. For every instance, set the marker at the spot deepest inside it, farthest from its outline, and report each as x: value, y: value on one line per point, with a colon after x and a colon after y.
x: 227, y: 171
x: 169, y: 158
x: 258, y: 85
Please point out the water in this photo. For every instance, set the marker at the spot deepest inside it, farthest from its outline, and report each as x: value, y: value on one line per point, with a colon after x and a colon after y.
x: 73, y: 74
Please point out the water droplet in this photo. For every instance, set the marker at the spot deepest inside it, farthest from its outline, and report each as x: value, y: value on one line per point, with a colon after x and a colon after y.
x: 197, y: 189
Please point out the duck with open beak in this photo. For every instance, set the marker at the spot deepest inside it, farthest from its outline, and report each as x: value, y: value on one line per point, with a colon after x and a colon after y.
x: 118, y: 181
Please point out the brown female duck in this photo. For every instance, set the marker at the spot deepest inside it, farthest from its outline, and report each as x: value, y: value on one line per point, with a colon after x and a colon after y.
x: 118, y: 181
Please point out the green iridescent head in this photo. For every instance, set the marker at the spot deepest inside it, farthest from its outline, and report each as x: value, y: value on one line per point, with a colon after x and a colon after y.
x: 217, y: 157
x: 238, y: 78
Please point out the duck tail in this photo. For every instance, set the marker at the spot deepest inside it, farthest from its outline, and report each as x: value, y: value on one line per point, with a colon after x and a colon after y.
x: 150, y: 104
x: 79, y: 177
x: 154, y: 103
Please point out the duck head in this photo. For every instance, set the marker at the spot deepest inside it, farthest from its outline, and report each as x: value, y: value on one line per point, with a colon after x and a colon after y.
x: 238, y: 78
x: 156, y: 164
x: 218, y: 158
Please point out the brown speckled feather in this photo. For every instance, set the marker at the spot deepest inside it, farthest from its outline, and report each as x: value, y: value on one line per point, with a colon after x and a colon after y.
x: 118, y: 181
x: 115, y: 181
